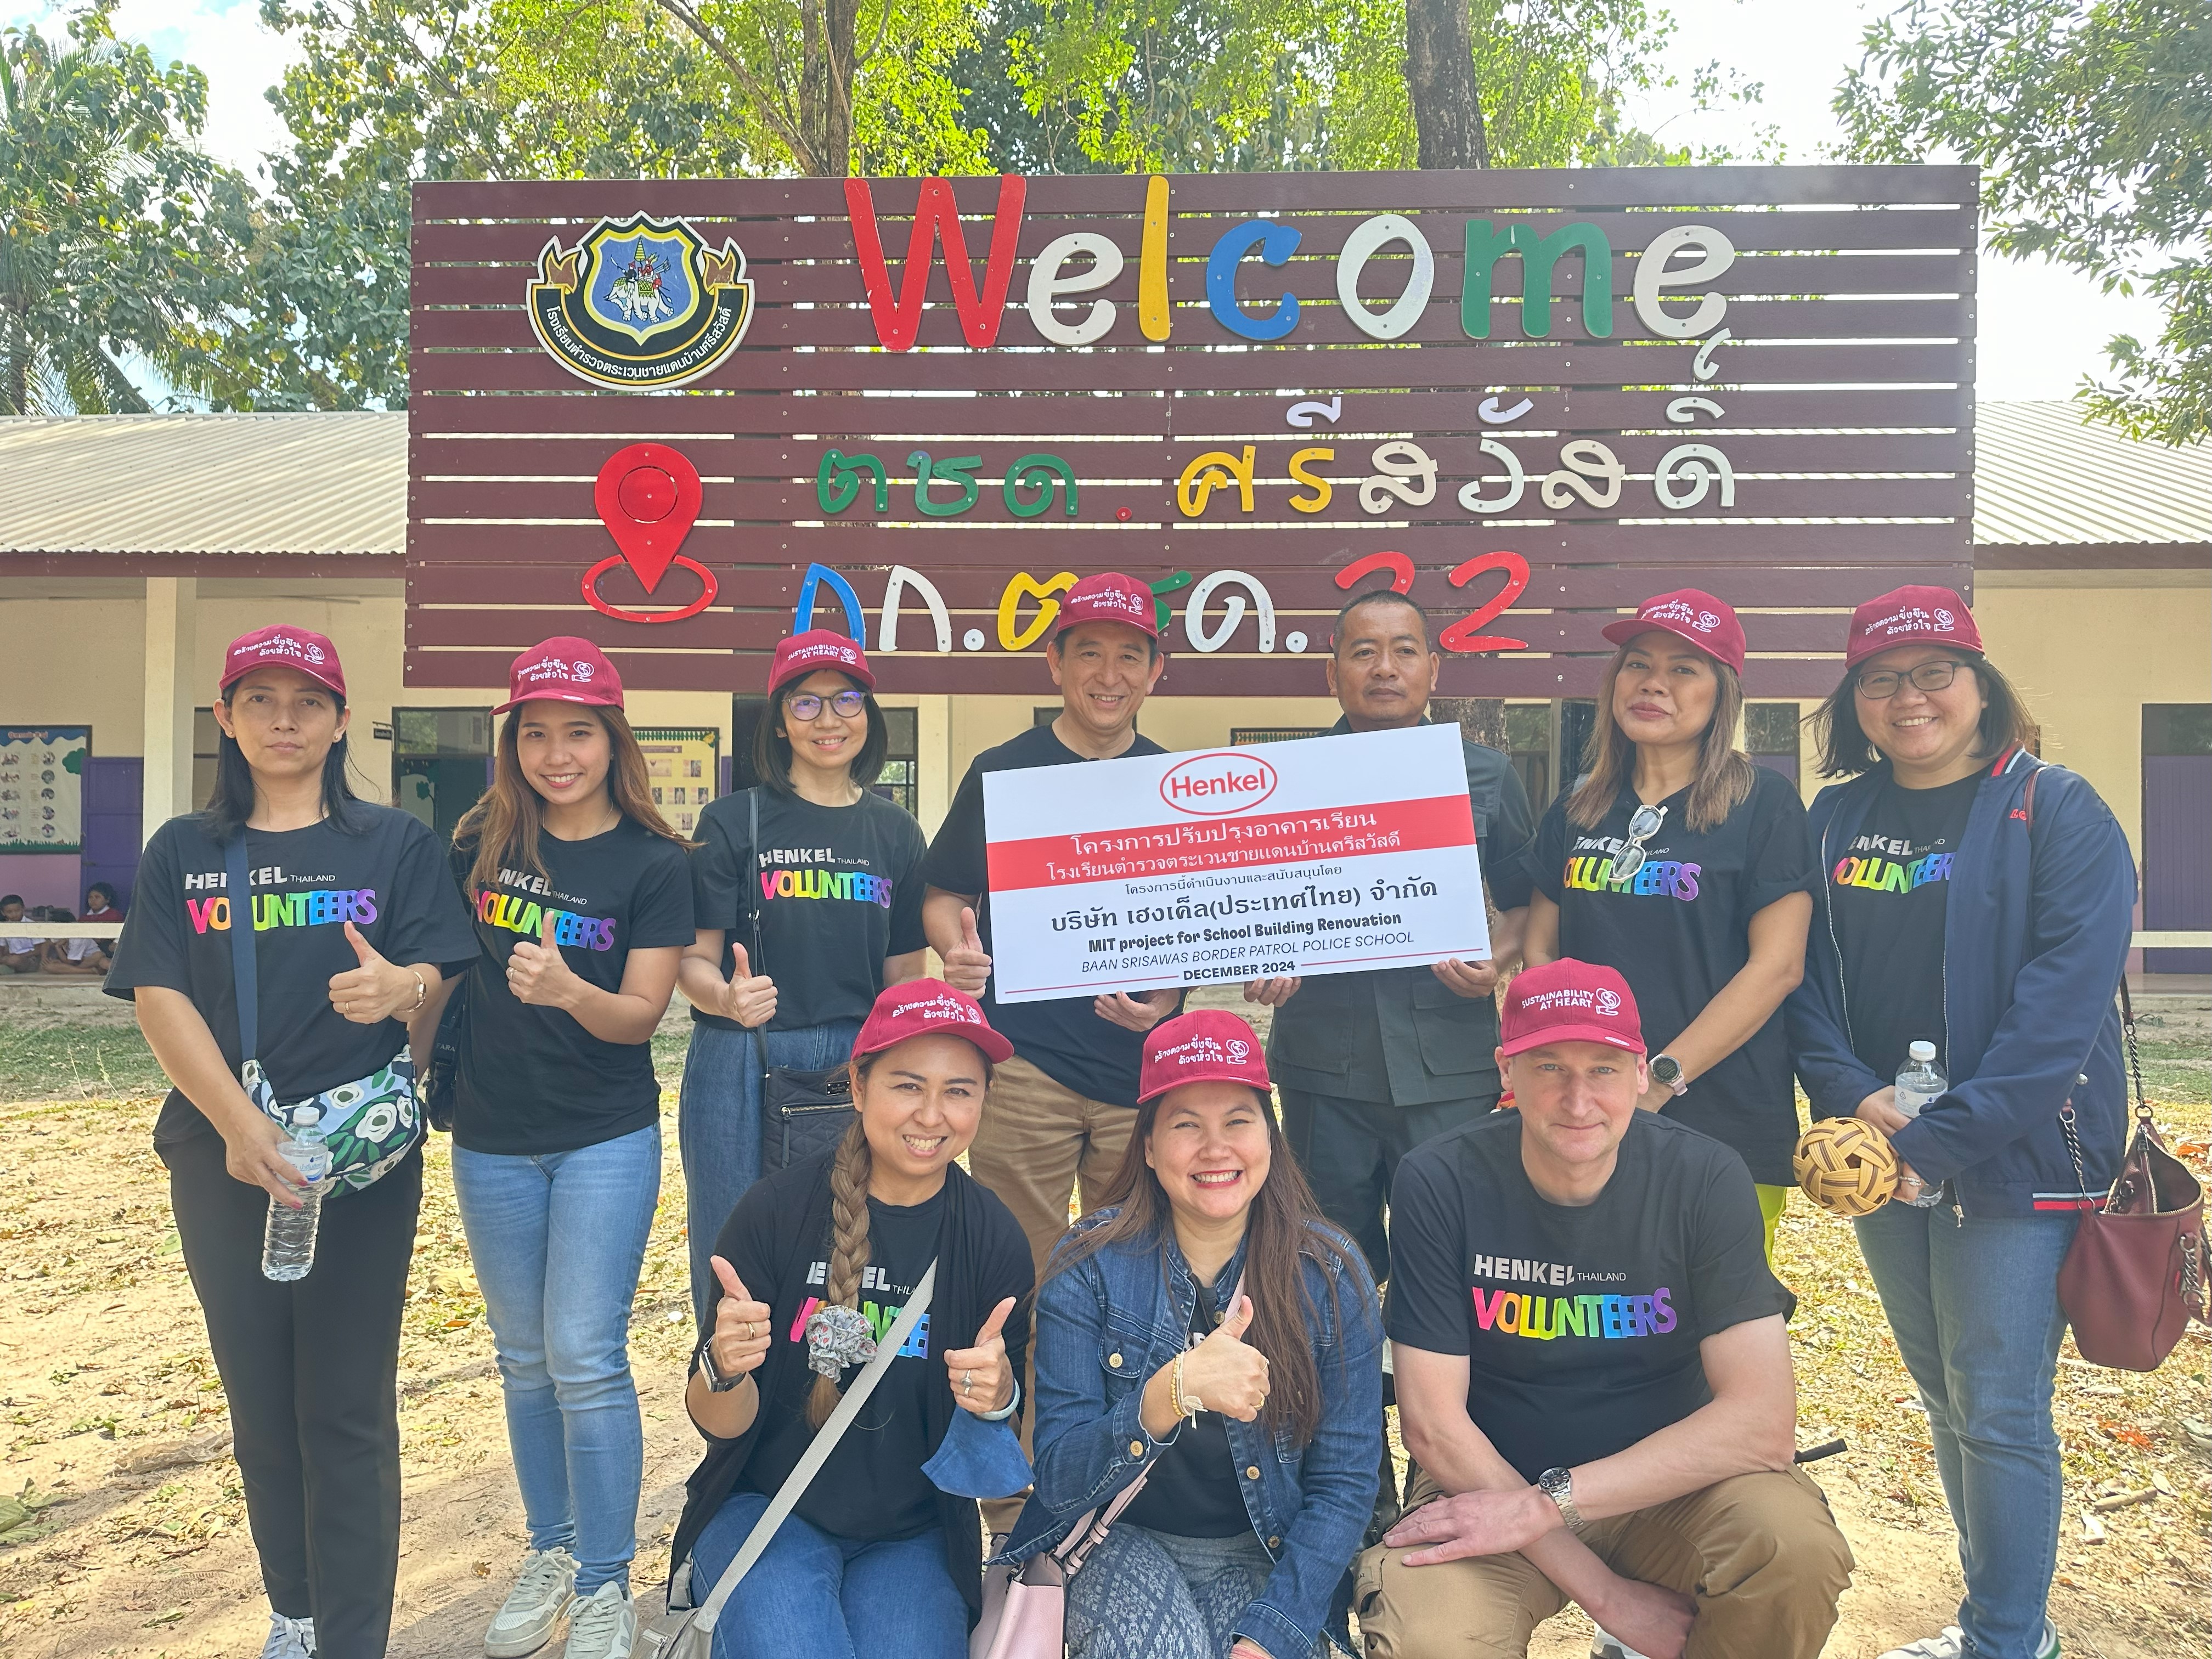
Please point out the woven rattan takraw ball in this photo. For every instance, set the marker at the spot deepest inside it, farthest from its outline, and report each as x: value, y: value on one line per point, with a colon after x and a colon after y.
x: 1845, y: 1167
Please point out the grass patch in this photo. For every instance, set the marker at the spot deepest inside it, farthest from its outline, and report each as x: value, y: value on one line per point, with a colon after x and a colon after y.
x: 2175, y: 1068
x: 77, y: 1062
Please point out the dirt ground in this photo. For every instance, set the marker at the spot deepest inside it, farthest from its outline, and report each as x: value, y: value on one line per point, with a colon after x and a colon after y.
x: 115, y: 1428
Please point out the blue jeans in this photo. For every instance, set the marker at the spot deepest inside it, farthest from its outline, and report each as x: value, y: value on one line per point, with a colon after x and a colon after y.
x: 813, y: 1597
x: 558, y: 1239
x: 1975, y: 1308
x: 718, y: 1126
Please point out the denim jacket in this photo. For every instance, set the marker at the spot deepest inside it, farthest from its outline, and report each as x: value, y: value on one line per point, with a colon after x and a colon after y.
x: 1105, y: 1326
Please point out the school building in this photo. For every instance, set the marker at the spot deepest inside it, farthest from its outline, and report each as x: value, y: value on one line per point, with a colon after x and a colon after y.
x: 132, y: 548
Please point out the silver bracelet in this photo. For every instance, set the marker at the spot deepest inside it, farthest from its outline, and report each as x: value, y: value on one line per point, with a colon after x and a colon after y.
x: 1006, y: 1410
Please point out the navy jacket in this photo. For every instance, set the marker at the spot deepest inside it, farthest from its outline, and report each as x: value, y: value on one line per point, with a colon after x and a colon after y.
x: 2035, y: 937
x: 1105, y: 1326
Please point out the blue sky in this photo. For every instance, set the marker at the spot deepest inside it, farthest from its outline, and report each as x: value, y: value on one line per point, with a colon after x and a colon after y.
x: 2041, y: 329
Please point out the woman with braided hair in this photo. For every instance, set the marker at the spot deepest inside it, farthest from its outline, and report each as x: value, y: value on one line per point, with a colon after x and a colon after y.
x: 880, y: 1555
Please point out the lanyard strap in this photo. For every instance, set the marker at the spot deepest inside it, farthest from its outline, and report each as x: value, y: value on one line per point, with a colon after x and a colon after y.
x: 245, y: 984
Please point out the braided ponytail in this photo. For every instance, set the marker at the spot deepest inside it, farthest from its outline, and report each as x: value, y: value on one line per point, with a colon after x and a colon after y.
x: 848, y: 1249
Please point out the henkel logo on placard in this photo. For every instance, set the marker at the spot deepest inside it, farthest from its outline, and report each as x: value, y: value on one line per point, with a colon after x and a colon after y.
x: 1209, y: 786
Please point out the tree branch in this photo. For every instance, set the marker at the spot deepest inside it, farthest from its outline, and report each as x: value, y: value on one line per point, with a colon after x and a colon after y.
x: 802, y: 152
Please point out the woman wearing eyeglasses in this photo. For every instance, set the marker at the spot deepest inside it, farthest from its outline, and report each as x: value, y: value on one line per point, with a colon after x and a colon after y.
x: 1683, y: 867
x: 807, y: 895
x: 2014, y: 984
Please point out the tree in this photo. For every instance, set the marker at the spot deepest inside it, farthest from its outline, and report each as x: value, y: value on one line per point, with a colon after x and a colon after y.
x: 114, y: 229
x: 2093, y: 126
x: 1440, y: 79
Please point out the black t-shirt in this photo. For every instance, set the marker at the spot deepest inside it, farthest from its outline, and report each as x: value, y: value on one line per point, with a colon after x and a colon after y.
x: 839, y: 889
x: 1192, y: 1490
x: 389, y: 879
x: 1581, y: 1324
x: 872, y: 1487
x: 1065, y: 1039
x: 532, y: 1080
x: 1679, y: 930
x: 1887, y: 893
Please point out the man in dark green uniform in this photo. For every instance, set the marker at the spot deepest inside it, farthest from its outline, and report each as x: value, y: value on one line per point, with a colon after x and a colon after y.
x: 1370, y: 1065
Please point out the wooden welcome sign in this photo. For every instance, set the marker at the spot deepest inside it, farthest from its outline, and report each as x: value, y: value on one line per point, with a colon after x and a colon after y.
x: 684, y: 417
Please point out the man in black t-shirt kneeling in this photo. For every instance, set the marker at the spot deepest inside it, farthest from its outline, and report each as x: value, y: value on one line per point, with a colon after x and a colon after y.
x: 1592, y: 1372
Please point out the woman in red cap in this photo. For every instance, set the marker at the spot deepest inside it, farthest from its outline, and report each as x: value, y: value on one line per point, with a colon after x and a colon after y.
x: 1258, y: 1435
x: 347, y: 921
x: 2010, y: 993
x: 583, y: 904
x: 1683, y: 867
x: 882, y: 1553
x: 808, y: 892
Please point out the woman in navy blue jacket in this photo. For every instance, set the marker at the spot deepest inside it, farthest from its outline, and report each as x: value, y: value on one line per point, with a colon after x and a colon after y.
x: 1206, y: 1329
x: 1974, y: 899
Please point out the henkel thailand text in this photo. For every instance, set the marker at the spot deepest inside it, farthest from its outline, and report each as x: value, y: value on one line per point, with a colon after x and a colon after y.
x: 1328, y: 855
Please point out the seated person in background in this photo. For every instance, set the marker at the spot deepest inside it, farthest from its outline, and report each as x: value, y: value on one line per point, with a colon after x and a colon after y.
x: 1256, y: 1420
x: 78, y: 958
x: 17, y: 956
x: 1592, y: 1372
x: 100, y: 903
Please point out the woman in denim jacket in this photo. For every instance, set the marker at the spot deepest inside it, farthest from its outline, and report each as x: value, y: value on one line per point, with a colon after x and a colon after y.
x: 1207, y: 1331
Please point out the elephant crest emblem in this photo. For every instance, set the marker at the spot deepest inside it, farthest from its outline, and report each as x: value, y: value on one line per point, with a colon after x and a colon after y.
x: 640, y: 304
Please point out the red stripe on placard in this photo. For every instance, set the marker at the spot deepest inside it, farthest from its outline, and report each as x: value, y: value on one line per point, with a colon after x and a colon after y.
x: 1237, y: 843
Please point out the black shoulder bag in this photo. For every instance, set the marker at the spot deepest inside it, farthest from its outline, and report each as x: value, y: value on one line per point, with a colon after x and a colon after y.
x: 802, y: 1112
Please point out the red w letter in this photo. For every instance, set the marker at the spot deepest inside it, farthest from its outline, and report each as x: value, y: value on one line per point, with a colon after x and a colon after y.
x: 896, y: 324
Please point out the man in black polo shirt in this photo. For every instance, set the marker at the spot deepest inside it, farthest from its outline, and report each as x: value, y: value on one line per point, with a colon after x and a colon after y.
x: 1370, y: 1065
x: 1062, y: 1108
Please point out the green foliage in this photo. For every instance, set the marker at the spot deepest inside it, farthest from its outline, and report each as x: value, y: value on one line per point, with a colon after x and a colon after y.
x: 1217, y: 85
x: 115, y: 233
x: 2093, y: 125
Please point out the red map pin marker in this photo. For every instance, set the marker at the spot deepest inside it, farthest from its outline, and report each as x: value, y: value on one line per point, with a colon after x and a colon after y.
x: 648, y: 496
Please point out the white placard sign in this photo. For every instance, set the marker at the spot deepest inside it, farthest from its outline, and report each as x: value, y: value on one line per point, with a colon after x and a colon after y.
x: 1324, y: 855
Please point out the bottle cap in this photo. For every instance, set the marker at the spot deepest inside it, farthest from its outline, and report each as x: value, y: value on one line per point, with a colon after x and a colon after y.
x: 1923, y: 1052
x: 305, y: 1117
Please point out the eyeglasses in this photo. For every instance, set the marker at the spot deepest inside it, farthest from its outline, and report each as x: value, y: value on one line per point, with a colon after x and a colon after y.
x: 805, y: 705
x: 1885, y: 682
x: 1642, y: 827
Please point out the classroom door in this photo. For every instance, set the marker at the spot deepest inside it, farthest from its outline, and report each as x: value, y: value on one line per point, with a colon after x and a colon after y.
x: 2176, y: 804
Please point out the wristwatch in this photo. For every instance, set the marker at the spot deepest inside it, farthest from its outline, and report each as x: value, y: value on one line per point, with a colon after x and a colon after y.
x: 716, y: 1383
x: 1559, y: 1486
x: 1665, y: 1069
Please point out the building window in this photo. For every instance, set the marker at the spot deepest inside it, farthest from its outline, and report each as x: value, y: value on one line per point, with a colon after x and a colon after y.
x: 903, y: 760
x: 440, y: 763
x: 206, y: 734
x: 1241, y: 735
x: 1769, y: 737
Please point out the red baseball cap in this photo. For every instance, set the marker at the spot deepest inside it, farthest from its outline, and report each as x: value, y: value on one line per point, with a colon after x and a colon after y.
x: 1569, y: 1001
x: 916, y: 1007
x: 1688, y: 613
x: 1108, y: 597
x: 1911, y: 615
x: 563, y: 669
x: 817, y: 648
x: 1207, y: 1045
x: 303, y: 648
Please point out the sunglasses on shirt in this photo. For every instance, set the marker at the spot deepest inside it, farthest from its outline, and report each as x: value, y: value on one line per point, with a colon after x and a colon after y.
x: 1642, y: 826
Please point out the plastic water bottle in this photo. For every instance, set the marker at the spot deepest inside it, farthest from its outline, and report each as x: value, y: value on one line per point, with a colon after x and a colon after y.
x: 1920, y: 1083
x: 287, y: 1248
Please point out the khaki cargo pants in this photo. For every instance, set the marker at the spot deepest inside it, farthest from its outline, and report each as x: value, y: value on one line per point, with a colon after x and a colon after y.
x: 1761, y: 1552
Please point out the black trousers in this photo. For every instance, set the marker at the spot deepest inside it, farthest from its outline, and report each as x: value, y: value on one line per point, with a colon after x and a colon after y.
x: 311, y: 1368
x: 1349, y: 1150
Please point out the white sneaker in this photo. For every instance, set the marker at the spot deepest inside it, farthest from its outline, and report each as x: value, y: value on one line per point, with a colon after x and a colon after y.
x: 289, y: 1638
x: 602, y: 1625
x: 1951, y: 1644
x: 1606, y: 1645
x: 524, y: 1622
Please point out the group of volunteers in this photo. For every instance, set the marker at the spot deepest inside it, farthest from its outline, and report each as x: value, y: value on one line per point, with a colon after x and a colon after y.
x: 1177, y: 1404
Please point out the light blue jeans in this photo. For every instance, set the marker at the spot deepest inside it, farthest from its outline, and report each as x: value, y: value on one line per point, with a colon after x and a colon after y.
x: 1975, y: 1308
x: 718, y: 1126
x: 557, y: 1239
x: 812, y: 1595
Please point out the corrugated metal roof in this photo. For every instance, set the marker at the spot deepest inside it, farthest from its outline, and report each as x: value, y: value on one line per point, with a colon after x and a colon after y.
x: 338, y: 483
x: 204, y: 484
x: 2043, y: 479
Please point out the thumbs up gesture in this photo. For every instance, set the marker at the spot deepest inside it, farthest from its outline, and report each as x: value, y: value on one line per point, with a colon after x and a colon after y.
x: 749, y: 998
x: 967, y: 968
x: 537, y: 972
x: 377, y: 989
x: 741, y: 1325
x: 1226, y: 1373
x: 982, y: 1380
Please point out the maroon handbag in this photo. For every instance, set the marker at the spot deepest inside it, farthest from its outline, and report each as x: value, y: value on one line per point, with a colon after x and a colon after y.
x: 2135, y: 1276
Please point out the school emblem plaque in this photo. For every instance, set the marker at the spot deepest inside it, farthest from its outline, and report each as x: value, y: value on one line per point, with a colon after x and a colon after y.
x: 640, y: 304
